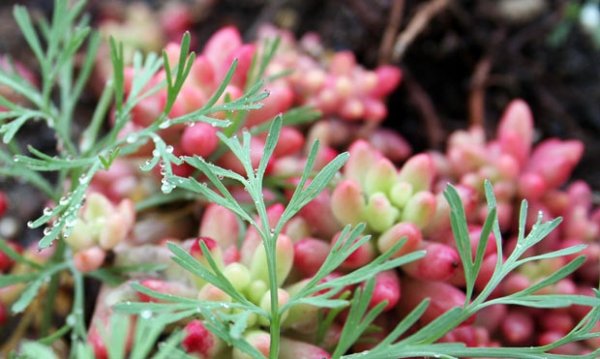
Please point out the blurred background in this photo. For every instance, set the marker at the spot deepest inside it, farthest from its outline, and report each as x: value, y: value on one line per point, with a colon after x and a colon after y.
x: 462, y: 60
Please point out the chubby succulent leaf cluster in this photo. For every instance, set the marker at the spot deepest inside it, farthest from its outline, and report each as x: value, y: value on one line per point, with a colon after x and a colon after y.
x: 229, y: 312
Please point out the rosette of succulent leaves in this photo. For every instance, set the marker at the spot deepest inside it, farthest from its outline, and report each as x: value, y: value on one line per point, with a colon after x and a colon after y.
x: 54, y: 44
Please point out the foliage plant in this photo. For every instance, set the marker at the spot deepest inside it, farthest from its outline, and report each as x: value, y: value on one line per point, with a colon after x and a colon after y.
x: 151, y: 325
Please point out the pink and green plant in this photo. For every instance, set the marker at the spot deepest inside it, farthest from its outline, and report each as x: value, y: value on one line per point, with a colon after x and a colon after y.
x: 351, y: 249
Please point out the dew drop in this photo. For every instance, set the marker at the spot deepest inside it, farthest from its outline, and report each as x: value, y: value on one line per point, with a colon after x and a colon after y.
x: 165, y: 124
x: 47, y: 211
x: 70, y: 223
x: 518, y: 246
x: 166, y: 187
x: 30, y: 224
x: 83, y: 179
x: 47, y: 231
x: 131, y: 138
x: 169, y: 149
x: 71, y: 320
x: 146, y: 314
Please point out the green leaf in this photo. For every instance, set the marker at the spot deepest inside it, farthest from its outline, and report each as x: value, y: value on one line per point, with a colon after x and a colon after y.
x: 484, y: 236
x: 116, y: 336
x: 68, y: 207
x: 159, y: 199
x: 226, y: 200
x: 167, y: 348
x: 88, y: 65
x: 554, y: 254
x: 108, y: 160
x: 222, y: 86
x: 183, y: 69
x: 43, y: 162
x: 405, y: 324
x: 258, y: 68
x: 50, y: 339
x: 118, y: 63
x: 215, y: 277
x: 23, y: 19
x: 90, y: 135
x: 539, y: 231
x: 322, y: 302
x: 437, y: 328
x: 139, y: 307
x: 28, y: 295
x: 10, y: 279
x: 269, y: 148
x: 16, y: 256
x: 36, y: 350
x: 322, y: 179
x: 358, y: 318
x: 458, y: 222
x: 326, y: 320
x: 302, y: 195
x: 368, y: 271
x: 146, y: 334
x: 161, y: 296
x: 550, y: 300
x: 491, y: 204
x: 199, y: 163
x: 10, y: 129
x: 223, y: 283
x: 554, y: 277
x: 8, y: 167
x: 294, y: 116
x: 20, y: 86
x: 240, y: 323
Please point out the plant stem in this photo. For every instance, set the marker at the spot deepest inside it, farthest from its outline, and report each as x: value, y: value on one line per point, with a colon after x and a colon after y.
x: 52, y: 290
x: 79, y: 328
x: 270, y: 247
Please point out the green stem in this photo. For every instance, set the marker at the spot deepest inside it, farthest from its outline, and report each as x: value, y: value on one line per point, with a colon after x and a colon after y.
x: 270, y: 247
x: 50, y: 339
x: 52, y: 290
x: 78, y: 303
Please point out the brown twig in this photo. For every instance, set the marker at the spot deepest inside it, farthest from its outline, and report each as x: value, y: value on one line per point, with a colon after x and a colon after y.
x: 385, y: 49
x: 477, y: 94
x: 367, y: 14
x: 416, y: 26
x: 480, y: 80
x: 423, y: 103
